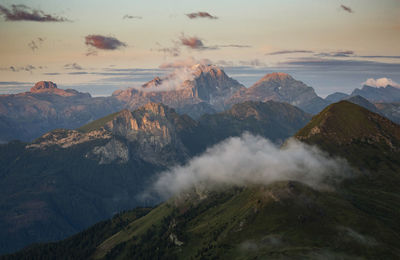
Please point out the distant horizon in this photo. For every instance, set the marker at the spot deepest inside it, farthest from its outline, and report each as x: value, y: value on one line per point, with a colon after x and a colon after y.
x: 244, y: 75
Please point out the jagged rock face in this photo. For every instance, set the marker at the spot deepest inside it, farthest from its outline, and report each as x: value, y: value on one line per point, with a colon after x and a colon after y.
x: 154, y: 129
x: 43, y: 85
x: 204, y: 83
x: 212, y: 85
x: 283, y: 88
x: 67, y: 138
x: 113, y: 151
x: 381, y: 94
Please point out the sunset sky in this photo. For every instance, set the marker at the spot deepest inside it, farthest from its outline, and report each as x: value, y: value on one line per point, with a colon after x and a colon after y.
x: 99, y: 46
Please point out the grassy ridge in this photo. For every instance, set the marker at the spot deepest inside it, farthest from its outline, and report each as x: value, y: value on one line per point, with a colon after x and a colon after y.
x: 96, y: 124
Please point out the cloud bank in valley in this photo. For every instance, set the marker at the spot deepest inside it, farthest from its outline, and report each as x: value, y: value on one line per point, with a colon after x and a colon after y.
x: 250, y: 160
x: 381, y: 82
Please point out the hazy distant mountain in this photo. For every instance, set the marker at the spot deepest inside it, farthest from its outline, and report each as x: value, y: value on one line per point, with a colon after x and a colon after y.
x: 386, y: 94
x: 336, y: 97
x: 357, y: 218
x: 359, y: 100
x: 278, y: 121
x: 283, y: 88
x: 198, y: 84
x: 66, y: 180
x: 390, y: 110
x: 28, y: 115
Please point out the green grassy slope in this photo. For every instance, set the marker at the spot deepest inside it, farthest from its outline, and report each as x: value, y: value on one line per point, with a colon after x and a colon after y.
x: 370, y: 143
x: 96, y: 124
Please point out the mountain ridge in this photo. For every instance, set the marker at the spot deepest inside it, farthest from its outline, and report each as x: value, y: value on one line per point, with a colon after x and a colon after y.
x: 285, y: 219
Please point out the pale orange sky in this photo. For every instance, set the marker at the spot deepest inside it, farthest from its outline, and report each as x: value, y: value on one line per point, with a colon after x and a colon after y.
x: 259, y: 26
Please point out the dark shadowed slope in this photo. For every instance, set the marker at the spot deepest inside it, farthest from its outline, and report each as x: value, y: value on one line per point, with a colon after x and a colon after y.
x: 283, y: 220
x: 275, y: 120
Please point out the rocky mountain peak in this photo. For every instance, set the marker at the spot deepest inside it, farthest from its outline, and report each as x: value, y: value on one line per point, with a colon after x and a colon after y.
x: 213, y: 70
x: 43, y: 86
x: 153, y: 83
x: 51, y: 88
x: 283, y: 88
x: 276, y: 76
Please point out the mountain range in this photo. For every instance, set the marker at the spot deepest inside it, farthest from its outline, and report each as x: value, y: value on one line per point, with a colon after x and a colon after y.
x: 357, y: 217
x: 195, y: 91
x: 26, y: 116
x: 66, y: 180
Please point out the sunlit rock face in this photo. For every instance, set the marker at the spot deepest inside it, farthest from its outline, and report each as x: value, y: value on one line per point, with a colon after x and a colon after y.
x: 283, y: 88
x: 51, y: 88
x: 154, y: 129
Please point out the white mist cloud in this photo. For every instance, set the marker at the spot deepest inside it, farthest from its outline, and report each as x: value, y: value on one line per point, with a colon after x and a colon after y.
x: 172, y: 82
x: 253, y: 160
x: 382, y: 82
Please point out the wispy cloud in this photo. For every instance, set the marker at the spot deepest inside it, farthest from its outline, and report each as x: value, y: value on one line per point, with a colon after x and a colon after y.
x: 201, y: 15
x: 333, y: 54
x: 336, y: 54
x: 173, y: 51
x: 91, y: 52
x: 73, y: 66
x: 283, y: 52
x: 196, y: 43
x: 36, y: 43
x: 342, y: 65
x: 96, y: 41
x: 347, y: 8
x: 192, y: 42
x: 253, y: 63
x: 379, y: 56
x: 24, y: 13
x: 233, y: 46
x: 127, y: 16
x: 103, y: 42
x: 29, y: 68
